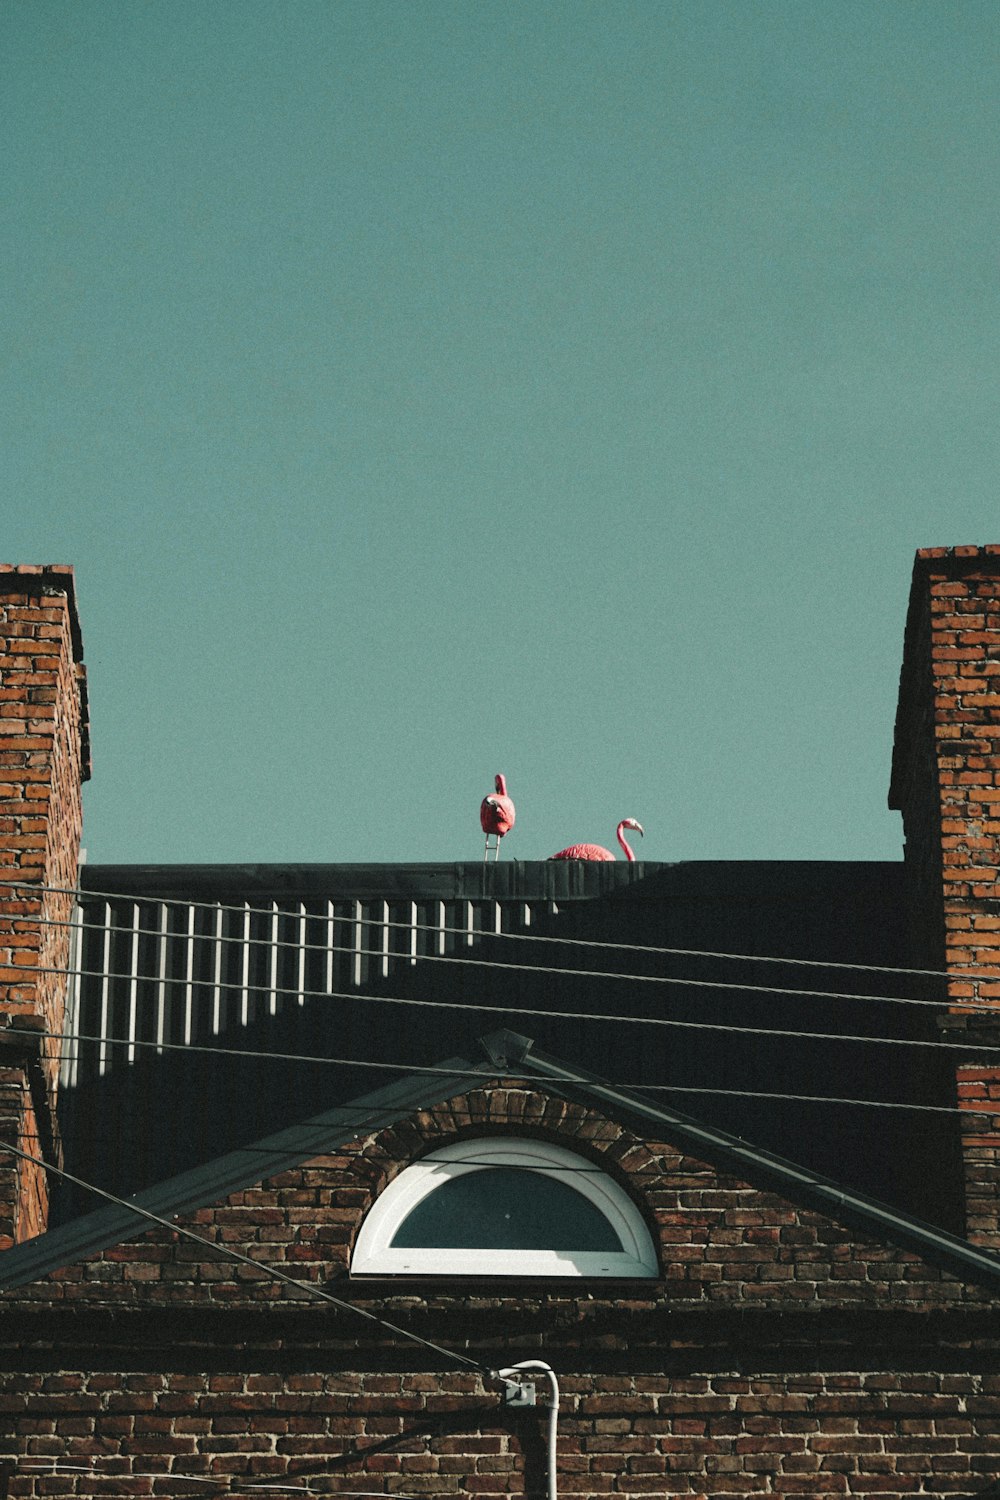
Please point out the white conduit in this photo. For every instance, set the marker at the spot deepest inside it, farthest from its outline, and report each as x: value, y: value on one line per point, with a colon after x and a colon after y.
x: 539, y: 1364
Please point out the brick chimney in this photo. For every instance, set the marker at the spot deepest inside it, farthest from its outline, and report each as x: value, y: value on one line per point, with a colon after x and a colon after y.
x: 44, y: 758
x: 946, y: 783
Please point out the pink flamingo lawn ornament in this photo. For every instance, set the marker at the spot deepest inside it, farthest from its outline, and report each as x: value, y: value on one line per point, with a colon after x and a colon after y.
x: 595, y: 851
x: 496, y: 816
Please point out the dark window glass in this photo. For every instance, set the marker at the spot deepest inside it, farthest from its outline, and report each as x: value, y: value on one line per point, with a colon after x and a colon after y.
x: 506, y: 1208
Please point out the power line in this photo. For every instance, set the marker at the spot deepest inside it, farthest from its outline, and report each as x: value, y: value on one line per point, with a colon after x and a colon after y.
x: 419, y: 1068
x: 270, y: 912
x: 527, y: 1010
x: 263, y: 946
x: 309, y: 1287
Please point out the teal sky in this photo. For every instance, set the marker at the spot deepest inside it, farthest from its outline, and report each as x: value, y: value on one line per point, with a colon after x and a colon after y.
x: 425, y: 389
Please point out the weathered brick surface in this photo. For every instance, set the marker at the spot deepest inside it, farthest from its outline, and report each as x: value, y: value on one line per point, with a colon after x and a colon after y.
x: 721, y: 1241
x: 777, y: 1353
x: 44, y: 756
x: 946, y: 766
x: 704, y: 1431
x: 946, y: 782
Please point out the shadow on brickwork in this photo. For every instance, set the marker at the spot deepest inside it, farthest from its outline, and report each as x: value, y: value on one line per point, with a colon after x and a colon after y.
x: 524, y: 1427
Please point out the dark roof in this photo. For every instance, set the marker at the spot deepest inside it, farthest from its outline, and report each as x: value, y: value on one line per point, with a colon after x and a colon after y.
x: 735, y: 1029
x: 510, y: 1056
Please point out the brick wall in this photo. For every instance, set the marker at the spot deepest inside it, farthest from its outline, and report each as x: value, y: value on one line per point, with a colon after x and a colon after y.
x: 44, y: 756
x: 721, y: 1240
x: 778, y: 1353
x: 946, y: 765
x: 946, y: 782
x: 700, y: 1431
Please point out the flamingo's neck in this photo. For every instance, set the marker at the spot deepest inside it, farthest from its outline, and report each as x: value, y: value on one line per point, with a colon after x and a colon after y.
x: 621, y: 839
x: 501, y: 785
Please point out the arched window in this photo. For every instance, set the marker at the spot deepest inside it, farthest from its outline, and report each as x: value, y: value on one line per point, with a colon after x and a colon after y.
x: 499, y: 1206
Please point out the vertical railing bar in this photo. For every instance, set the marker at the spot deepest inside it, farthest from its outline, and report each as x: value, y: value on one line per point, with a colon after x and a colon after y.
x: 272, y: 968
x: 358, y: 943
x: 442, y: 922
x: 414, y: 918
x: 303, y: 948
x: 386, y: 934
x: 69, y: 1067
x: 245, y: 968
x: 133, y: 986
x: 189, y: 980
x: 161, y: 979
x: 217, y: 972
x: 331, y: 932
x: 470, y: 924
x: 105, y: 1016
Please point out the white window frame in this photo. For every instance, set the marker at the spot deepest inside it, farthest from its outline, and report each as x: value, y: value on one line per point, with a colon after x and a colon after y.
x: 374, y: 1254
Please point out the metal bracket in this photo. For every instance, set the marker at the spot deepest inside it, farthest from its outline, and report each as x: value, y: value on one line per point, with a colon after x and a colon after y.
x: 506, y: 1048
x: 517, y: 1392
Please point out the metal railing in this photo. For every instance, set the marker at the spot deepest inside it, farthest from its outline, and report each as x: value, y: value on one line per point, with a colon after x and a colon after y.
x: 184, y: 973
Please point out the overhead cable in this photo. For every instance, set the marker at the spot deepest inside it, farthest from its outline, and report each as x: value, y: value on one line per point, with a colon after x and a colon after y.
x: 510, y: 1072
x: 267, y: 1269
x: 266, y: 945
x: 677, y: 981
x: 269, y: 912
x: 616, y: 1018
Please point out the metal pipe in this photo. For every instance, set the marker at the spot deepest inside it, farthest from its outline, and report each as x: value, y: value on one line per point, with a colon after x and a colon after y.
x: 547, y: 1370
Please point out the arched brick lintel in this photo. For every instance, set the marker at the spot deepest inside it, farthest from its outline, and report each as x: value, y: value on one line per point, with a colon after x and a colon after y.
x: 511, y: 1107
